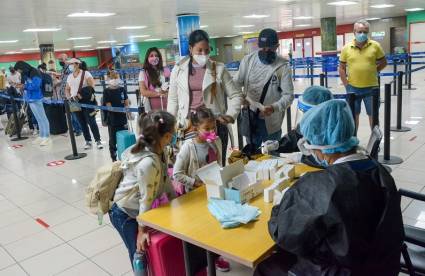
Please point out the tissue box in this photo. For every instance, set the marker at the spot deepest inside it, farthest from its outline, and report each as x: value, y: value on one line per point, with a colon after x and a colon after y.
x: 243, y: 187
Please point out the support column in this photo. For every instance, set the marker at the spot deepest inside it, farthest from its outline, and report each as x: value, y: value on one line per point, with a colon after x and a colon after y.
x: 186, y: 23
x: 329, y: 41
x: 47, y: 55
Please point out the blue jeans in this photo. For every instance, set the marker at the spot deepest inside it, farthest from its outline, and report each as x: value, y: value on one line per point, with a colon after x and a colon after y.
x: 367, y: 100
x: 127, y: 227
x: 261, y: 135
x: 39, y: 114
x: 75, y: 124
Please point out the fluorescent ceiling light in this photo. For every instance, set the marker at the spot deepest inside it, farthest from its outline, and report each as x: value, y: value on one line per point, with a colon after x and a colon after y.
x: 88, y: 49
x: 103, y: 47
x: 342, y: 3
x: 139, y: 36
x: 8, y: 41
x: 107, y: 41
x: 257, y: 16
x: 244, y: 26
x: 203, y: 26
x: 30, y: 49
x: 303, y: 25
x: 80, y: 38
x: 13, y: 52
x: 231, y: 35
x: 382, y: 6
x: 34, y: 30
x: 130, y: 27
x: 302, y: 17
x: 246, y: 32
x: 82, y: 46
x: 153, y: 39
x: 91, y: 14
x: 372, y: 18
x: 214, y: 37
x: 414, y: 9
x: 64, y: 49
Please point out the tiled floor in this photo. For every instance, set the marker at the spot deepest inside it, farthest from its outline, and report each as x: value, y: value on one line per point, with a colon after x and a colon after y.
x: 74, y: 243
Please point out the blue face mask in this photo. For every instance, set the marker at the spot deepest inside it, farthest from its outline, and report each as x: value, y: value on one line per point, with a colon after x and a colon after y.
x: 361, y: 37
x: 323, y: 163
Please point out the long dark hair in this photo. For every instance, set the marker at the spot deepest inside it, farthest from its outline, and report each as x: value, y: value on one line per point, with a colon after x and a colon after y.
x: 153, y: 73
x: 27, y: 70
x: 153, y: 126
x: 201, y: 115
x: 195, y: 37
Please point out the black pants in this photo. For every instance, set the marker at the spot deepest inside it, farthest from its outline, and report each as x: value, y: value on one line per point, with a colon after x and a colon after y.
x: 86, y: 120
x: 112, y: 130
x: 278, y: 263
x: 223, y: 133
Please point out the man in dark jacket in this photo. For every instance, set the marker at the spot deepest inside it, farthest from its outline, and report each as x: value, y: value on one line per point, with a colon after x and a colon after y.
x: 344, y: 220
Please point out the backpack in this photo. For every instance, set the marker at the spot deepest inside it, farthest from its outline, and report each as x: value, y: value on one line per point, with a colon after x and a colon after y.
x: 100, y: 192
x: 46, y: 85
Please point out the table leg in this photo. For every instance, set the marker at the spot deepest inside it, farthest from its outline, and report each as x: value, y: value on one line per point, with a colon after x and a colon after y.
x: 187, y: 263
x: 211, y: 263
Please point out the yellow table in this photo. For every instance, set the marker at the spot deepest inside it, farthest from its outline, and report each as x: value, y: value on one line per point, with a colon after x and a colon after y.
x: 189, y: 219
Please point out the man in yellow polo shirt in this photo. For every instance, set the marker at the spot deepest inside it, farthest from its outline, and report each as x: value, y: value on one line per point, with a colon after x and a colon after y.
x: 362, y: 59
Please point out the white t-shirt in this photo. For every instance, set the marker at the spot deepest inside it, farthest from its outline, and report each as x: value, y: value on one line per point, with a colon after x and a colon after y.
x: 14, y: 78
x: 74, y: 82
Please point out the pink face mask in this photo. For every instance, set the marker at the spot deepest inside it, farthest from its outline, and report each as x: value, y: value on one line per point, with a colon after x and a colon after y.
x: 153, y: 61
x: 209, y: 136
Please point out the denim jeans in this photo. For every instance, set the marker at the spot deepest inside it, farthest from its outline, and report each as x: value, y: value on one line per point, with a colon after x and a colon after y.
x: 261, y: 135
x: 75, y: 124
x: 127, y: 227
x: 39, y: 114
x: 367, y: 100
x: 86, y: 120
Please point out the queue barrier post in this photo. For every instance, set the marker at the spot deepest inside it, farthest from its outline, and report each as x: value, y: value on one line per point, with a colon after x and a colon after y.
x: 387, y: 158
x: 399, y: 127
x: 16, y: 119
x: 311, y: 73
x: 375, y: 107
x: 406, y: 69
x: 288, y: 119
x: 395, y: 76
x: 75, y: 155
x: 409, y: 79
x: 322, y: 79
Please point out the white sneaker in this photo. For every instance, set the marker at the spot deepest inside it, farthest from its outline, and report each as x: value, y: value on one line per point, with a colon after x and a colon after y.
x: 45, y: 142
x: 35, y: 132
x: 37, y: 141
x: 88, y: 145
x: 99, y: 145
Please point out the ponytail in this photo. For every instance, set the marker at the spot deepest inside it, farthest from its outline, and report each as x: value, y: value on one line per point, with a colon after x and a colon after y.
x: 201, y: 115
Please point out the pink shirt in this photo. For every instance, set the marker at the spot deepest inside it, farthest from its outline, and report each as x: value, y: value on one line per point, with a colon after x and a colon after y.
x: 195, y: 87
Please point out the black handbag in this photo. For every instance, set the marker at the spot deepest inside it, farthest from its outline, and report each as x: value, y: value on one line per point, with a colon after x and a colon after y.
x: 249, y: 117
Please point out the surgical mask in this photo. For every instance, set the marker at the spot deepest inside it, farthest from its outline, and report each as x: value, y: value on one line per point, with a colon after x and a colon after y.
x: 154, y: 61
x: 361, y: 37
x: 62, y: 63
x: 201, y: 60
x: 208, y: 136
x: 323, y: 163
x: 71, y: 68
x: 267, y: 57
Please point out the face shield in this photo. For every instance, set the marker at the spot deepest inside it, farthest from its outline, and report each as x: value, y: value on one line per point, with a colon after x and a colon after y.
x: 302, y: 108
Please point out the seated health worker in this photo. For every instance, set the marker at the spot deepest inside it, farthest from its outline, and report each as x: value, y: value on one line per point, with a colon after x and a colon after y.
x: 343, y: 220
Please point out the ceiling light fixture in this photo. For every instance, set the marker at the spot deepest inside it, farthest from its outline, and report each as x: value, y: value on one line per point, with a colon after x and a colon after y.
x: 107, y: 41
x: 63, y: 49
x: 131, y: 27
x: 342, y: 3
x: 231, y: 35
x: 302, y: 17
x: 139, y: 36
x: 372, y: 18
x: 303, y: 25
x: 35, y: 30
x: 88, y: 49
x: 256, y: 16
x: 103, y: 47
x: 382, y: 6
x: 244, y: 26
x: 153, y: 39
x: 80, y: 38
x: 91, y: 14
x: 203, y: 26
x: 414, y: 9
x: 30, y: 49
x: 82, y: 46
x: 13, y: 52
x: 244, y: 33
x: 8, y: 41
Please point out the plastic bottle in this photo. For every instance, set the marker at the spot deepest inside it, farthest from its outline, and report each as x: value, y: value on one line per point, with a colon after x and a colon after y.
x: 139, y: 264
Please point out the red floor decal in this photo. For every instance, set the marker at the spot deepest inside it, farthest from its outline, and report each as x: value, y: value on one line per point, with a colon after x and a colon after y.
x: 42, y: 223
x: 413, y: 138
x: 16, y: 146
x: 55, y: 163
